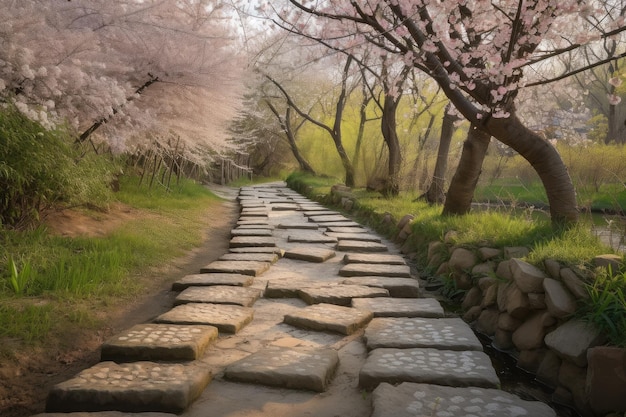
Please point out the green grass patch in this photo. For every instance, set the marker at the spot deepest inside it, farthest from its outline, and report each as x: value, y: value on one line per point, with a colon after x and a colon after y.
x: 63, y: 280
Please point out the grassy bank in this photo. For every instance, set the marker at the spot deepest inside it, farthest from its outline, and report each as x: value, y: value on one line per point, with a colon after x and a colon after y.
x: 50, y: 284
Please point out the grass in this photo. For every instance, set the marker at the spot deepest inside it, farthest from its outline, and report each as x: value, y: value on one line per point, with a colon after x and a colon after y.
x: 49, y: 283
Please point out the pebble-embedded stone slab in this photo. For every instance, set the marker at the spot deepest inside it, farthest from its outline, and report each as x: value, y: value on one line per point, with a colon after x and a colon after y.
x: 297, y: 225
x: 254, y: 213
x: 310, y: 254
x: 272, y: 258
x: 361, y: 246
x: 328, y: 218
x: 336, y: 229
x: 373, y: 258
x: 329, y: 317
x: 404, y: 333
x: 285, y: 207
x: 347, y: 223
x: 200, y: 280
x: 377, y: 270
x: 397, y: 287
x: 251, y: 232
x: 254, y: 226
x: 158, y: 342
x: 307, y: 236
x: 131, y: 387
x: 367, y: 237
x: 405, y: 307
x: 341, y: 295
x: 322, y: 212
x: 227, y: 318
x: 257, y: 222
x: 243, y: 241
x: 219, y: 294
x: 431, y: 366
x: 252, y: 268
x: 106, y: 414
x: 296, y: 368
x: 287, y: 288
x: 423, y: 400
x: 258, y: 249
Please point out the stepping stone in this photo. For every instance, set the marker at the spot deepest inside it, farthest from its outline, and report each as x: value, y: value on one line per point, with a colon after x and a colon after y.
x: 328, y: 218
x: 219, y: 294
x: 367, y: 237
x: 106, y: 414
x: 298, y: 225
x: 132, y: 387
x: 377, y: 270
x: 373, y: 258
x: 227, y: 318
x: 411, y: 400
x: 158, y: 342
x: 199, y: 280
x: 360, y: 246
x: 397, y: 287
x: 243, y: 241
x: 287, y: 288
x: 329, y: 317
x: 272, y: 258
x: 251, y: 232
x: 310, y: 254
x: 347, y: 223
x: 310, y: 237
x: 260, y: 223
x: 404, y: 333
x: 285, y: 207
x: 312, y: 207
x: 253, y: 268
x: 339, y: 294
x: 247, y: 219
x: 258, y: 249
x: 347, y: 229
x: 392, y: 307
x: 295, y: 368
x: 431, y: 366
x: 254, y: 226
x: 254, y: 213
x: 322, y: 212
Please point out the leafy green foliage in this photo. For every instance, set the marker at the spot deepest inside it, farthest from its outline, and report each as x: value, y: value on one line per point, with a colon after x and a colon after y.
x: 39, y: 167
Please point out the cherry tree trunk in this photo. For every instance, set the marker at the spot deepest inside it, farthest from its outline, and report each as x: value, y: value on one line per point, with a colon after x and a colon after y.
x: 545, y: 160
x: 463, y: 184
x: 435, y: 192
x: 390, y: 135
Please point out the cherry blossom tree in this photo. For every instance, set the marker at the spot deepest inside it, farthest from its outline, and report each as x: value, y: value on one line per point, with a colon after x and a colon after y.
x: 479, y: 52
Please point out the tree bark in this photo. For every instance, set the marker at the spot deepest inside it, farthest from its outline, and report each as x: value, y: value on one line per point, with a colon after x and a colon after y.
x: 435, y: 193
x: 390, y: 135
x: 463, y: 184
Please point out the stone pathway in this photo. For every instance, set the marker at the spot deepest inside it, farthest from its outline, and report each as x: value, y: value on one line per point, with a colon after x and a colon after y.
x: 309, y: 314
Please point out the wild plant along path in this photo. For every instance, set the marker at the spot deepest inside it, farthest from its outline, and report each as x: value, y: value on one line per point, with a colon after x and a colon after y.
x: 309, y: 314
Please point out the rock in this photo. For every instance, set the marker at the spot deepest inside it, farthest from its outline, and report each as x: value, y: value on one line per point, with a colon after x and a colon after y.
x: 406, y: 307
x: 472, y: 298
x: 527, y: 277
x: 406, y: 219
x: 516, y: 252
x: 329, y: 317
x: 606, y: 379
x: 487, y: 322
x: 530, y: 335
x: 443, y: 269
x: 612, y: 261
x: 517, y: 304
x: 436, y: 248
x: 486, y: 282
x: 462, y: 280
x: 462, y: 260
x: 405, y: 232
x: 571, y: 340
x: 537, y: 301
x: 529, y: 360
x: 508, y: 322
x: 490, y: 298
x: 503, y: 340
x: 573, y: 283
x: 548, y: 370
x: 504, y: 270
x: 560, y: 302
x: 485, y: 269
x: 472, y: 314
x: 553, y: 268
x: 450, y: 237
x: 379, y: 270
x: 488, y: 253
x: 503, y: 289
x: 573, y: 378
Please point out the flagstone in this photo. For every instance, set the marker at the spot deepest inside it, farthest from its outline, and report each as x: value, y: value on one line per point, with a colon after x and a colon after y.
x: 432, y: 366
x: 310, y: 254
x: 306, y: 236
x: 295, y: 368
x: 444, y: 333
x: 272, y: 258
x: 424, y: 400
x: 405, y: 307
x: 219, y: 294
x: 329, y: 317
x: 227, y: 318
x: 339, y: 294
x: 265, y: 225
x: 347, y: 223
x: 251, y: 232
x: 298, y: 225
x: 287, y: 288
x: 328, y: 218
x: 132, y: 387
x: 253, y: 268
x: 253, y: 222
x: 290, y: 206
x: 380, y: 270
x: 322, y: 212
x: 243, y: 241
x: 367, y: 237
x: 373, y: 258
x: 397, y: 287
x: 347, y: 229
x: 258, y: 249
x: 360, y: 246
x: 209, y: 279
x: 158, y: 342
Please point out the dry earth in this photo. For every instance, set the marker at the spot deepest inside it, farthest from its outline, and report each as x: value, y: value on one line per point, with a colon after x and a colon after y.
x: 25, y: 382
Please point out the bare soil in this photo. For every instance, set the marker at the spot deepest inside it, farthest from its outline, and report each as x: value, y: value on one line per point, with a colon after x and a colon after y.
x: 26, y: 380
